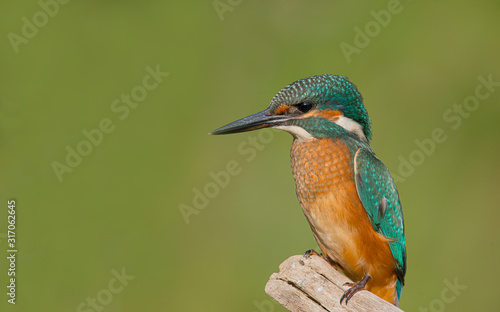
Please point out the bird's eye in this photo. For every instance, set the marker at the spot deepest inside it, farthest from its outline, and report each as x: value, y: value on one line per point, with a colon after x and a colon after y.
x: 305, y: 107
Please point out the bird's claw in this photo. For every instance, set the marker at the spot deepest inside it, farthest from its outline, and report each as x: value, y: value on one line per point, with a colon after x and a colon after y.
x: 311, y: 252
x: 354, y: 288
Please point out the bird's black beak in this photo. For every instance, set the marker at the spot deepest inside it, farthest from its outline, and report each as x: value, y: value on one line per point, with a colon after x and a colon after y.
x: 256, y: 121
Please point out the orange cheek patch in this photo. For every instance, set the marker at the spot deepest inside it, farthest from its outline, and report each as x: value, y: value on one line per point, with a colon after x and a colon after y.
x: 329, y: 114
x: 282, y: 109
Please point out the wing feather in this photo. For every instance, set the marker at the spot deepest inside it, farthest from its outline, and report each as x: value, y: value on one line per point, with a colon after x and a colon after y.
x: 380, y: 198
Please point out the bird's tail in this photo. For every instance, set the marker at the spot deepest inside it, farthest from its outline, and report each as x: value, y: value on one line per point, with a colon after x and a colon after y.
x: 399, y: 292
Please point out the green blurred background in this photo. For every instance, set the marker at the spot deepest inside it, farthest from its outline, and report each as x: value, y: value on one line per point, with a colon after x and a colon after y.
x: 119, y: 208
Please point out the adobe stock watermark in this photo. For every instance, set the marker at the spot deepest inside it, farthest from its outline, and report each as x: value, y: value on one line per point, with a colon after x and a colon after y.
x: 223, y: 6
x: 363, y: 37
x: 454, y: 118
x: 449, y: 294
x: 264, y: 306
x: 104, y: 297
x: 30, y: 26
x: 121, y: 107
x: 220, y: 178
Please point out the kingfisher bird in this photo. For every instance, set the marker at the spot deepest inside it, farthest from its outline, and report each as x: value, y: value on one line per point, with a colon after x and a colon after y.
x: 346, y: 193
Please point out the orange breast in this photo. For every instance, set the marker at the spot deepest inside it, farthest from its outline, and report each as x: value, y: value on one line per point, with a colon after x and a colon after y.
x: 326, y: 188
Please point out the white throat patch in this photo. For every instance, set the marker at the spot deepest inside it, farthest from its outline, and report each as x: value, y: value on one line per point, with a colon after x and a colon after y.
x: 351, y: 126
x: 298, y: 133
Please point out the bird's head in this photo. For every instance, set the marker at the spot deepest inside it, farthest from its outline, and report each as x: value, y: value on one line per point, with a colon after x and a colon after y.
x: 313, y: 107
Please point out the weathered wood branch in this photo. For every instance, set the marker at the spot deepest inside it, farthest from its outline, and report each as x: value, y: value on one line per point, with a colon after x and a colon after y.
x: 311, y: 284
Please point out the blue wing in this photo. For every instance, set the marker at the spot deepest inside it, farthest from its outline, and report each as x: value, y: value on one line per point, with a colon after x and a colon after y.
x: 380, y: 198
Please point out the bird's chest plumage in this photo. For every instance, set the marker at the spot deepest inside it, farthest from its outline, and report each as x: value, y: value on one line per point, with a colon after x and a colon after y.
x: 325, y: 185
x: 326, y: 188
x: 321, y: 167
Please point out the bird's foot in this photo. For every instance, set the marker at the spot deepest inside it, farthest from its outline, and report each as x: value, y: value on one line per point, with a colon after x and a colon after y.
x: 312, y: 252
x: 355, y: 287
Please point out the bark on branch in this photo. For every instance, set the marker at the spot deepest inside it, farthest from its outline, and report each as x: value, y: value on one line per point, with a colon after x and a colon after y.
x: 311, y: 284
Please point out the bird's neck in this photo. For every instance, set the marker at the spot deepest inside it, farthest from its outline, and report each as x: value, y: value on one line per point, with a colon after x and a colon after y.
x: 341, y: 128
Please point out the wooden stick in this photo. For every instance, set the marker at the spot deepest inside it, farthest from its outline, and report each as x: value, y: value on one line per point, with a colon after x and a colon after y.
x: 311, y: 284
